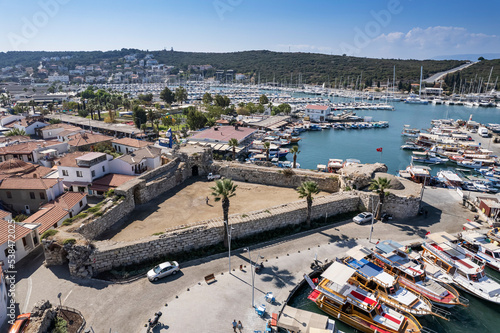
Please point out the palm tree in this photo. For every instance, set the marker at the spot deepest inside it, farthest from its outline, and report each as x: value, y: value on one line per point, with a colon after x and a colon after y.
x: 15, y: 131
x: 267, y: 145
x: 379, y: 186
x: 295, y: 150
x: 222, y: 191
x: 233, y: 143
x: 306, y: 190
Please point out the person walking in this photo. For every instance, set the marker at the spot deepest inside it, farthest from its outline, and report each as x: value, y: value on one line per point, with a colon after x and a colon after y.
x: 206, y: 200
x: 235, y: 324
x: 240, y: 326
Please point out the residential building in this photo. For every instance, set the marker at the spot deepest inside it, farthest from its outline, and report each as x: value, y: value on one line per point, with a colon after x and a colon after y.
x: 3, y: 298
x: 79, y: 169
x: 127, y: 145
x: 33, y: 151
x: 28, y: 125
x: 317, y: 112
x: 85, y: 141
x: 137, y: 162
x: 26, y: 195
x: 26, y: 238
x: 223, y: 134
x: 9, y: 118
x: 110, y: 181
x: 59, y: 78
x: 20, y: 169
x: 52, y: 131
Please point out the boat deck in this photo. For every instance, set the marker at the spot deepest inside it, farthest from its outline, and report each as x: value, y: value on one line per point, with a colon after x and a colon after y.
x: 371, y: 270
x: 458, y: 257
x: 389, y: 318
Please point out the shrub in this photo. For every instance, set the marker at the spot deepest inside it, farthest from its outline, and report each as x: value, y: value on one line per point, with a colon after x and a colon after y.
x: 69, y: 241
x: 60, y: 326
x: 288, y: 172
x: 20, y: 218
x: 82, y: 215
x: 109, y: 193
x: 98, y: 214
x: 158, y: 233
x: 48, y: 233
x: 93, y: 209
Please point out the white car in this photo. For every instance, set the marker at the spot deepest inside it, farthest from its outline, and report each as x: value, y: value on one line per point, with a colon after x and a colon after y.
x: 363, y: 218
x: 162, y: 270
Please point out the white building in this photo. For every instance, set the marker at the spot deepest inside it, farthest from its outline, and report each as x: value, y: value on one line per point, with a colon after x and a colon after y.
x: 137, y: 162
x: 59, y: 78
x: 317, y: 112
x: 127, y: 145
x: 79, y: 169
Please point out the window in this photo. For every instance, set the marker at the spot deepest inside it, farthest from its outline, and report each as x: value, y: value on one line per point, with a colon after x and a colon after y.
x: 25, y: 243
x: 32, y: 195
x: 35, y: 238
x: 9, y: 194
x: 81, y: 203
x: 65, y: 173
x: 42, y: 195
x: 79, y: 174
x: 103, y: 168
x: 93, y: 173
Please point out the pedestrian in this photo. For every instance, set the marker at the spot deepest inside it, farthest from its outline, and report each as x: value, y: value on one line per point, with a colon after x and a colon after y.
x: 240, y: 325
x: 206, y: 200
x: 235, y: 324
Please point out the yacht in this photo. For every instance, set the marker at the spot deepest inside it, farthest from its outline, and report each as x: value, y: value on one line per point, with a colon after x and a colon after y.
x: 339, y: 296
x: 477, y: 244
x: 447, y: 262
x: 427, y: 157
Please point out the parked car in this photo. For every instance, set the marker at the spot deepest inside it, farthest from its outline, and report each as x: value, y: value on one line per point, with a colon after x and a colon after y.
x: 363, y: 218
x: 21, y: 323
x: 162, y: 270
x: 212, y: 176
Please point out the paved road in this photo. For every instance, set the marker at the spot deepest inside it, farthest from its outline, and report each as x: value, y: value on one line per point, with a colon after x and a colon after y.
x: 439, y: 75
x: 126, y: 307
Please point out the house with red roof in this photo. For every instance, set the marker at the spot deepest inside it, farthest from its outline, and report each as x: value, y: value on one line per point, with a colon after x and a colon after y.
x: 17, y: 240
x: 317, y: 112
x: 127, y: 145
x: 85, y: 141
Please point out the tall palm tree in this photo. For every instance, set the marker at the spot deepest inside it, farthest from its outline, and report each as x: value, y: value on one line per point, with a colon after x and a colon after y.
x: 295, y: 150
x: 267, y: 145
x: 306, y: 190
x: 15, y: 131
x: 222, y: 191
x: 379, y: 186
x: 233, y: 143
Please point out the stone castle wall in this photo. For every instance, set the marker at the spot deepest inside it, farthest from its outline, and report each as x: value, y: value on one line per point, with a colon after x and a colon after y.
x: 398, y: 206
x: 275, y: 176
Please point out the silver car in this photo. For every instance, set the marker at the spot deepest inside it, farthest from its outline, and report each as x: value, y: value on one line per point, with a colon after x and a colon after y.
x: 162, y: 270
x: 363, y: 218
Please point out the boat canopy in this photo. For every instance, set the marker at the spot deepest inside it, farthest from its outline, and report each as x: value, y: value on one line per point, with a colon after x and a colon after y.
x: 441, y: 237
x: 358, y: 252
x: 388, y: 246
x: 338, y: 273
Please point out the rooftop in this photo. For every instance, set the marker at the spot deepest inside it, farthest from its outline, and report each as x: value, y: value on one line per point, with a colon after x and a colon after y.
x: 70, y: 160
x: 138, y: 155
x: 28, y: 183
x: 317, y: 107
x: 20, y: 231
x: 83, y: 139
x: 47, y: 216
x: 132, y: 142
x: 222, y: 134
x: 27, y: 147
x: 79, y: 121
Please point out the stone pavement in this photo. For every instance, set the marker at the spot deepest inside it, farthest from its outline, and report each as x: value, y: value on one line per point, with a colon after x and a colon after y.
x: 126, y: 307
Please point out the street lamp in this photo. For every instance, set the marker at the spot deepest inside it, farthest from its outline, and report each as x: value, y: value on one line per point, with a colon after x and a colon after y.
x: 229, y: 229
x: 252, y: 271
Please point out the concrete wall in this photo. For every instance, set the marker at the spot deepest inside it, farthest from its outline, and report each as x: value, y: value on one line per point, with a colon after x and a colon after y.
x: 398, y: 206
x: 275, y: 176
x: 205, y: 233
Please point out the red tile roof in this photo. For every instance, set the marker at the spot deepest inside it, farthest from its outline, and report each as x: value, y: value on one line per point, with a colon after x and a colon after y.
x: 69, y: 160
x: 27, y: 147
x: 317, y: 107
x: 59, y: 125
x: 223, y: 134
x: 28, y: 183
x: 68, y: 200
x: 4, y: 214
x: 83, y: 139
x: 20, y: 138
x: 47, y: 216
x: 132, y: 142
x: 19, y: 231
x: 112, y: 180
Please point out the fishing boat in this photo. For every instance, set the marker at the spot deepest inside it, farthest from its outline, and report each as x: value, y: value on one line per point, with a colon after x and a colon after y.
x: 419, y: 174
x: 411, y: 146
x: 477, y: 244
x: 340, y: 297
x: 427, y: 157
x: 373, y: 278
x: 447, y: 262
x: 399, y: 260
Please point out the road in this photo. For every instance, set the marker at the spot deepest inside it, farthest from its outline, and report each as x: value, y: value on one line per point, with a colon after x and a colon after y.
x: 439, y: 75
x: 194, y: 306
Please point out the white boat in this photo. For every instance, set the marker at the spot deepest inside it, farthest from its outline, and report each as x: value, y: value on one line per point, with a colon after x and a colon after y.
x: 410, y: 132
x: 334, y: 164
x: 427, y: 157
x: 477, y: 244
x: 447, y: 262
x: 470, y: 164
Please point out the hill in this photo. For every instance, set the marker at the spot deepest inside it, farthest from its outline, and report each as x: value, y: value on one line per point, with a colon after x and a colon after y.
x: 314, y: 68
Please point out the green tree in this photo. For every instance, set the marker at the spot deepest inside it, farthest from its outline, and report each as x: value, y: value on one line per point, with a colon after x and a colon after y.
x: 480, y: 58
x: 379, y: 186
x: 140, y: 116
x: 15, y: 132
x: 222, y: 101
x: 295, y: 150
x: 233, y: 143
x: 306, y: 190
x: 263, y: 99
x: 167, y: 96
x: 181, y: 94
x: 285, y: 108
x: 196, y: 119
x: 267, y: 146
x: 207, y: 98
x: 222, y: 191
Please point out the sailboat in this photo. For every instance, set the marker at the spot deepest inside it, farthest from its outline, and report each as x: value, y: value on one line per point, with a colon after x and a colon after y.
x: 413, y: 99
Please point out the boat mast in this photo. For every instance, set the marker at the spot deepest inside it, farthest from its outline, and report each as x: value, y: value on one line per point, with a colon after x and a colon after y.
x: 420, y: 86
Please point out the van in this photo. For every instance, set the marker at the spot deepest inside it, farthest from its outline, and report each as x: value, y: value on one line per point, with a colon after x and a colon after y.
x: 483, y: 131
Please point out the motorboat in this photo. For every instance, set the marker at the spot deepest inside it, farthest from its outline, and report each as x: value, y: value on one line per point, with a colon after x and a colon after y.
x: 427, y: 157
x: 339, y: 296
x: 374, y: 279
x: 334, y: 164
x: 470, y: 164
x: 447, y: 262
x: 400, y: 260
x: 410, y: 132
x: 477, y: 244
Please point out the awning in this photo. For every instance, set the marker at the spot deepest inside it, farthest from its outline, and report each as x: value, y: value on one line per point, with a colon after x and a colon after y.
x: 338, y: 273
x: 359, y: 252
x: 441, y: 237
x: 300, y: 320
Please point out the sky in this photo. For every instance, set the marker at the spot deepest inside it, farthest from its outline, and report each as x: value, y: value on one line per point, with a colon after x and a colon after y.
x: 406, y: 29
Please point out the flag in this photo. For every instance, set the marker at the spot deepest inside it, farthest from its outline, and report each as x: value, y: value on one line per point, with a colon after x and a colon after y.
x: 428, y: 233
x: 379, y: 149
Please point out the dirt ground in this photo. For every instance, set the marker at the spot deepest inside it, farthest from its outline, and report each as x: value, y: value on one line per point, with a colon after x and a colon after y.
x: 187, y: 204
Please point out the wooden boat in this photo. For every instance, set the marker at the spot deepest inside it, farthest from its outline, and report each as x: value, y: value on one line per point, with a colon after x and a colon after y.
x: 477, y: 244
x: 398, y: 260
x: 341, y: 297
x: 447, y: 262
x: 373, y: 278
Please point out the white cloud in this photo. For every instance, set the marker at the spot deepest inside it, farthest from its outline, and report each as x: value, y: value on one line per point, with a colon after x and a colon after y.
x: 432, y: 41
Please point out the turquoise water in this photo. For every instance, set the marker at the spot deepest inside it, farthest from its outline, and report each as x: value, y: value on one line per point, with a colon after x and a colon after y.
x: 480, y: 316
x: 317, y: 147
